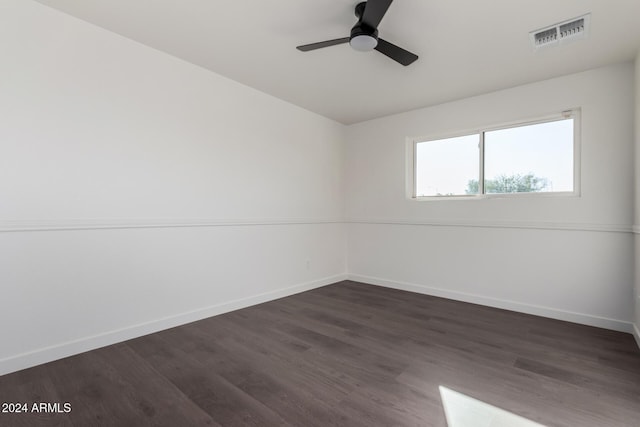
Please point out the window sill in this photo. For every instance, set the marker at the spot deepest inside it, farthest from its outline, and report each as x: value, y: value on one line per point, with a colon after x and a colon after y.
x: 567, y: 194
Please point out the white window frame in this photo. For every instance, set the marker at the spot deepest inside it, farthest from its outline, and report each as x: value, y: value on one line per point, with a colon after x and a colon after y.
x: 412, y: 158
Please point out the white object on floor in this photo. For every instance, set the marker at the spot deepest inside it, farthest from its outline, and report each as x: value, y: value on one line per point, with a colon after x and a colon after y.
x: 464, y: 411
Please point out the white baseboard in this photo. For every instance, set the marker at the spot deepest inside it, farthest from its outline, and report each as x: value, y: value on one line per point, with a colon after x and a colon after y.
x: 49, y: 354
x: 553, y: 313
x: 636, y: 334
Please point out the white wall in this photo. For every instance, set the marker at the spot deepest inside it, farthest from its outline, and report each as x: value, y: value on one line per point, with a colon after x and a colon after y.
x: 563, y: 257
x: 138, y: 191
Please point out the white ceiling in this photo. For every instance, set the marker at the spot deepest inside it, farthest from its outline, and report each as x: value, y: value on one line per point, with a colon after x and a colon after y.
x: 466, y: 47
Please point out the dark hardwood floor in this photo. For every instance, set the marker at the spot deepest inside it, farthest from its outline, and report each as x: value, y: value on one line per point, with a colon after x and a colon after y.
x: 348, y: 354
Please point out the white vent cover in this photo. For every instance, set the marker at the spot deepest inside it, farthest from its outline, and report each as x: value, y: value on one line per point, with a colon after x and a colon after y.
x: 566, y: 31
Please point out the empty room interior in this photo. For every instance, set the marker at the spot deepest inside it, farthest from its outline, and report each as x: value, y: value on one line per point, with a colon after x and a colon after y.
x: 303, y: 213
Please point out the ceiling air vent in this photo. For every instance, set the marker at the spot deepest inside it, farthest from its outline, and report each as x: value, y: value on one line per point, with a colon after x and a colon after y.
x: 573, y: 29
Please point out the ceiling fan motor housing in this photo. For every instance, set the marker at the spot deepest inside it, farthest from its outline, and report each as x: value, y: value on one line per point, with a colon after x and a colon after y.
x: 363, y: 37
x: 363, y: 30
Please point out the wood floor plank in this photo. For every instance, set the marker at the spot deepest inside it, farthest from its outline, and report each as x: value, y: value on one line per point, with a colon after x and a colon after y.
x: 570, y: 405
x: 347, y: 354
x: 208, y: 390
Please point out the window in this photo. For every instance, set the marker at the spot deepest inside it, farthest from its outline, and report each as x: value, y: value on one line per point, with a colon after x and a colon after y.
x: 534, y: 157
x: 445, y: 166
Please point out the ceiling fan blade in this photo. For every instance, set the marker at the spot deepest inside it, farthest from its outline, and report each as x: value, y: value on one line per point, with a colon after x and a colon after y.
x: 374, y: 10
x: 319, y: 45
x: 396, y: 53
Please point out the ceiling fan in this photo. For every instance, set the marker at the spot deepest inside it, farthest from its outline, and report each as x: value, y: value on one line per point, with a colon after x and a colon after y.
x: 364, y: 35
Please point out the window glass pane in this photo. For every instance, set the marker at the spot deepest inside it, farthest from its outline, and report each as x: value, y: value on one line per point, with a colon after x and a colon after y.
x: 447, y: 167
x: 532, y: 158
